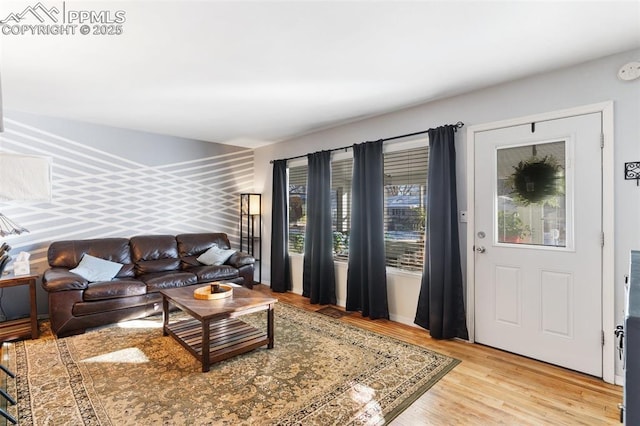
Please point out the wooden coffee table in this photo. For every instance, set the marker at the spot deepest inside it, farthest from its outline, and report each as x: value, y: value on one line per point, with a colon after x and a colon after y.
x: 214, y: 333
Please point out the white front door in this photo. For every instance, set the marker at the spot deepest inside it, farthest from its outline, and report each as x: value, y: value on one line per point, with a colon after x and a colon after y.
x: 538, y: 241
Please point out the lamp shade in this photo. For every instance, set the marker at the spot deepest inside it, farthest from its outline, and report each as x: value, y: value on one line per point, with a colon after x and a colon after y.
x: 25, y: 178
x: 250, y: 204
x: 254, y: 203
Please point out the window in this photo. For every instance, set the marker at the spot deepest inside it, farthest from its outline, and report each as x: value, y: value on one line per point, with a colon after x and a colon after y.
x: 297, y: 208
x: 341, y: 175
x: 405, y: 207
x: 341, y: 172
x: 405, y: 203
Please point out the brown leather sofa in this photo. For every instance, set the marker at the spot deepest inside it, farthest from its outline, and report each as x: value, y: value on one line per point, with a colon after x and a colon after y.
x: 150, y: 263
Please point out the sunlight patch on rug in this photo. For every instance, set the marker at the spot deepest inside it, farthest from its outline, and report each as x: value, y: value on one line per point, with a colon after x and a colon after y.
x: 129, y: 355
x: 141, y: 323
x: 321, y: 371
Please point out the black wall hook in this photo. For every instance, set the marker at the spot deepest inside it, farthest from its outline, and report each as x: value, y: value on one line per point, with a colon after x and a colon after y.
x: 632, y: 171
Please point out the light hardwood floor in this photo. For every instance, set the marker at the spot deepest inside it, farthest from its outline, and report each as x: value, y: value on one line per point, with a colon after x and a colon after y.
x: 490, y: 386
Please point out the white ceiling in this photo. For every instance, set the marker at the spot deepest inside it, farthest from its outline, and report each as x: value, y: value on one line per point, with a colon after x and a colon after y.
x: 252, y: 73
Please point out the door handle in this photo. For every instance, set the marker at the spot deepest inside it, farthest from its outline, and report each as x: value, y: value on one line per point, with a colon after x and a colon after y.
x: 481, y: 249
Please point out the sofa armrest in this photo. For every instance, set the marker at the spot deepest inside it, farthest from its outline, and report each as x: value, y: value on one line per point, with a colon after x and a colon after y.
x: 239, y: 259
x: 59, y: 279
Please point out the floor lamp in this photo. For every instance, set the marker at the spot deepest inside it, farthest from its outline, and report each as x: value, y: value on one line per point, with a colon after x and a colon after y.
x: 251, y: 228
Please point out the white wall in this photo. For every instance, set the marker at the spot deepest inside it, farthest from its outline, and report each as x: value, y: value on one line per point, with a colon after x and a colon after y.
x: 111, y: 182
x: 588, y: 83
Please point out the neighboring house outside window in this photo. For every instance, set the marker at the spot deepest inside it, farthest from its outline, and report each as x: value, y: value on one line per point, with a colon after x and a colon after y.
x: 297, y: 208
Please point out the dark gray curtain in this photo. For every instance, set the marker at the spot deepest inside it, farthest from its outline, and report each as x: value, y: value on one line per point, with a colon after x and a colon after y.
x: 280, y: 266
x: 441, y: 302
x: 366, y: 276
x: 318, y: 277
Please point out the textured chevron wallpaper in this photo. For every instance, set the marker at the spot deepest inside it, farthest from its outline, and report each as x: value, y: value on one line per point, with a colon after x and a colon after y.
x: 114, y: 182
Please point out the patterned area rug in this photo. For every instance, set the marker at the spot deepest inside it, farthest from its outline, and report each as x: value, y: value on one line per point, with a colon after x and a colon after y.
x: 320, y: 372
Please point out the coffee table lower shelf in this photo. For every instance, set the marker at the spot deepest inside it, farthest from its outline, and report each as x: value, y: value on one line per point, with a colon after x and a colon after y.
x: 227, y: 338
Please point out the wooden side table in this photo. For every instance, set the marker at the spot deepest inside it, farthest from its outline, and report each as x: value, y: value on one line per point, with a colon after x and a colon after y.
x: 22, y: 327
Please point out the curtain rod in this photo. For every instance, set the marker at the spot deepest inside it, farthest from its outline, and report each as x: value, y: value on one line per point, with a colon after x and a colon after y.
x: 458, y: 125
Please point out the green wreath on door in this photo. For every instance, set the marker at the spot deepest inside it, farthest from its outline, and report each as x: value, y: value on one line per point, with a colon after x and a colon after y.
x: 536, y: 180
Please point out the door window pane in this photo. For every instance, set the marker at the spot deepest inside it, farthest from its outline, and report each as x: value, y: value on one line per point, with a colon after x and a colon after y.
x: 531, y: 195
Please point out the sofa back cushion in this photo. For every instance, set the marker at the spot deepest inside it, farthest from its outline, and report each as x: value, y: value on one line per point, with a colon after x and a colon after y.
x: 190, y: 246
x: 68, y: 254
x: 154, y: 253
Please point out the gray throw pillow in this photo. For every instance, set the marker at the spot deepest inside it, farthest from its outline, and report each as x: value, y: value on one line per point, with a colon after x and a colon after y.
x: 95, y: 269
x: 215, y: 256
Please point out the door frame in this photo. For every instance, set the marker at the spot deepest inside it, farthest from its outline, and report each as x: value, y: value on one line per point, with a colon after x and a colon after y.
x: 608, y: 278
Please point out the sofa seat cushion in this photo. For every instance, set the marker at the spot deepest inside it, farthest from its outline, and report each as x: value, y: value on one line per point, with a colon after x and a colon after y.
x: 214, y: 272
x: 114, y: 289
x: 107, y: 307
x: 157, y: 281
